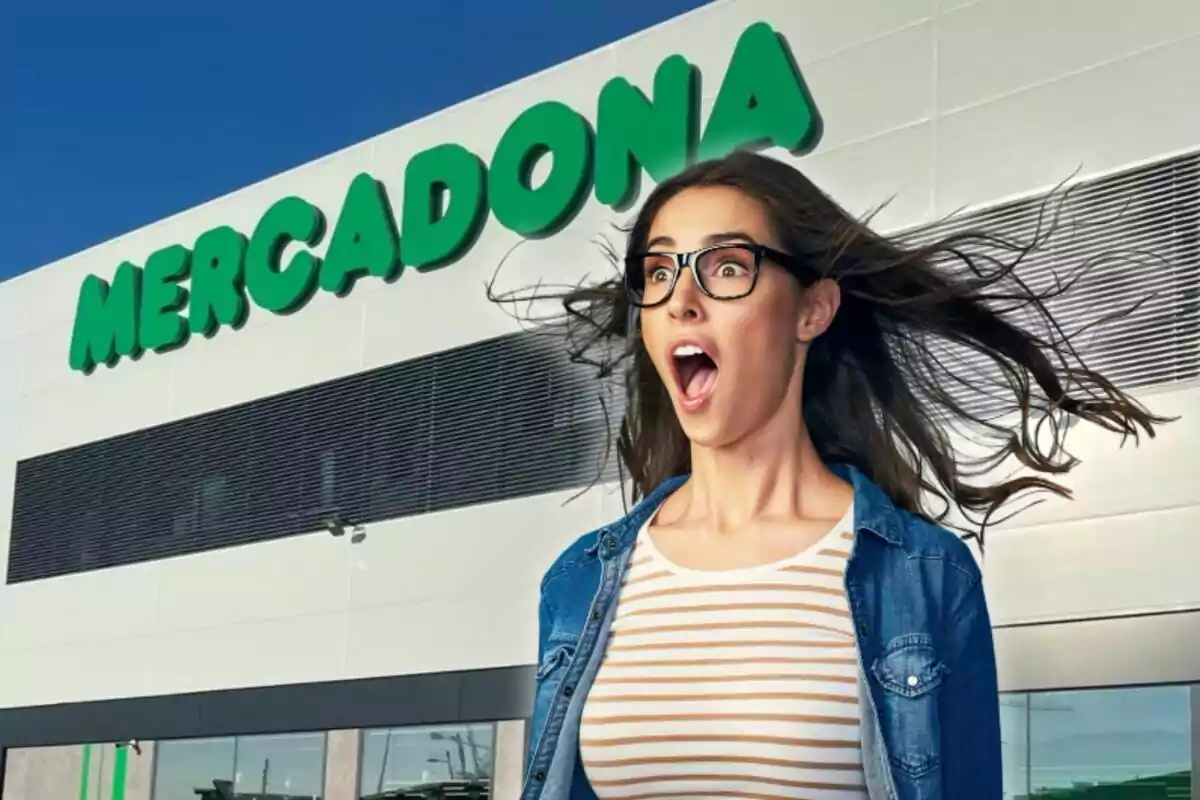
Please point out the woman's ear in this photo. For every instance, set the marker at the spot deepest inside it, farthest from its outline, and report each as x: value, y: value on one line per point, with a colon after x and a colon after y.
x: 818, y: 307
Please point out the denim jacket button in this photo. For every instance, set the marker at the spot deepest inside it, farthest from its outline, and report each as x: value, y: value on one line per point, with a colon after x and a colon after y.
x: 541, y: 776
x: 596, y: 614
x: 862, y: 629
x: 913, y: 680
x: 568, y: 690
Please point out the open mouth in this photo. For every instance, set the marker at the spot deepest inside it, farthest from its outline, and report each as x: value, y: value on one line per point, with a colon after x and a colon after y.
x: 696, y: 374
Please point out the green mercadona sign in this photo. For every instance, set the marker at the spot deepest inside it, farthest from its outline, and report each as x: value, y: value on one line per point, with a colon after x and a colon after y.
x: 448, y: 191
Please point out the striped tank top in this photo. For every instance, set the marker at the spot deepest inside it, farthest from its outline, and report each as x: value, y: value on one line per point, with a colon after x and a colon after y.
x: 729, y: 684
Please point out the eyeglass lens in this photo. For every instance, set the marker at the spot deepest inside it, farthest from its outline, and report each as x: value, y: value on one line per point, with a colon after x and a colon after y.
x: 724, y: 273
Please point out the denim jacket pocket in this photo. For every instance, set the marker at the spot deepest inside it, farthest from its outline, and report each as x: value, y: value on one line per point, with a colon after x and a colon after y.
x: 557, y: 656
x: 910, y: 673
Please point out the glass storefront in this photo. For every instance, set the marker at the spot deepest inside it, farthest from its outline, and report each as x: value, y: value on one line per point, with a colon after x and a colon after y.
x: 187, y: 767
x: 468, y: 760
x: 407, y: 758
x: 1118, y: 744
x: 283, y: 766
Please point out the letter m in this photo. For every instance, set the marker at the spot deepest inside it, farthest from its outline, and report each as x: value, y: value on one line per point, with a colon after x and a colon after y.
x: 106, y: 320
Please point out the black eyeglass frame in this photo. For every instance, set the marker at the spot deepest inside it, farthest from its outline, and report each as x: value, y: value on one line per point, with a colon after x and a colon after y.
x: 689, y: 260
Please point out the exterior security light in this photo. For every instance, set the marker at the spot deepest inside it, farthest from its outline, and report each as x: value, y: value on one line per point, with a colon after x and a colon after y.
x: 336, y: 525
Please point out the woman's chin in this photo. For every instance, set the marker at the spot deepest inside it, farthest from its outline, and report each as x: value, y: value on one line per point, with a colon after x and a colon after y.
x: 707, y: 430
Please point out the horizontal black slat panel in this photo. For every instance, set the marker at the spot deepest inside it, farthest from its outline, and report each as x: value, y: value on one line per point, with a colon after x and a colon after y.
x: 495, y: 420
x: 1137, y: 233
x: 430, y: 699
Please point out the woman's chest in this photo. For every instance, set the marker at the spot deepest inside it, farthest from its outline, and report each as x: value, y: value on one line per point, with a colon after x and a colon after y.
x: 745, y: 684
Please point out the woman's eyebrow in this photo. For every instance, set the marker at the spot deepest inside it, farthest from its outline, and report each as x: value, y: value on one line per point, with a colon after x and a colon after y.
x: 729, y: 236
x: 711, y: 239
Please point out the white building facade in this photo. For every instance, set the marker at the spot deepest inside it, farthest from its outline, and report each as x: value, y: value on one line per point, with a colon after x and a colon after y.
x: 290, y: 535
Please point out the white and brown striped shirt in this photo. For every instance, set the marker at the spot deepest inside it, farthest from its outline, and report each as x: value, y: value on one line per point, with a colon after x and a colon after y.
x: 732, y: 684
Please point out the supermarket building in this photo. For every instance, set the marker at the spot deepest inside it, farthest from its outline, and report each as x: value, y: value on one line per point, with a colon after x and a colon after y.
x: 278, y: 481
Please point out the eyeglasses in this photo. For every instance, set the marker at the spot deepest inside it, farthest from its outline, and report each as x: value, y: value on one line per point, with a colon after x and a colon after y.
x: 723, y: 272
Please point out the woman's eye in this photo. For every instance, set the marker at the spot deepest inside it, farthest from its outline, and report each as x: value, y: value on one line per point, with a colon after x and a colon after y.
x: 729, y: 269
x: 660, y: 274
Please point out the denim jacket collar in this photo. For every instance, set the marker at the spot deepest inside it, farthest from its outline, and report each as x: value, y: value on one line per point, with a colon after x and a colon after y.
x: 874, y: 511
x: 626, y: 529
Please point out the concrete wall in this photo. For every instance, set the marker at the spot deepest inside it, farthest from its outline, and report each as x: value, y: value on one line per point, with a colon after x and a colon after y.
x: 939, y: 103
x: 139, y: 777
x: 1123, y: 546
x: 37, y: 773
x: 54, y: 773
x: 508, y: 769
x: 343, y: 750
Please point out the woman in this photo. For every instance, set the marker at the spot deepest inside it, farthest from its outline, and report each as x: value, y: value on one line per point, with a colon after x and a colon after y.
x: 781, y: 615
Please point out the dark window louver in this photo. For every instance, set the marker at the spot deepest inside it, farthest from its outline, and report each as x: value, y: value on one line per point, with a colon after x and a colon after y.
x: 1125, y: 242
x: 510, y: 417
x: 494, y: 420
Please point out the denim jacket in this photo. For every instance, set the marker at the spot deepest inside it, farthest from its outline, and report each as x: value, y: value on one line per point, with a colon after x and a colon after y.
x: 930, y: 710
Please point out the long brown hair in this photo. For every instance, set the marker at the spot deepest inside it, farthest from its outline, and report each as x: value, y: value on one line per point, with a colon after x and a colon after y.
x: 933, y: 337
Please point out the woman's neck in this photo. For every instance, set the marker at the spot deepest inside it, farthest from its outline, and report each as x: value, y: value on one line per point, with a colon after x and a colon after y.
x: 757, y: 479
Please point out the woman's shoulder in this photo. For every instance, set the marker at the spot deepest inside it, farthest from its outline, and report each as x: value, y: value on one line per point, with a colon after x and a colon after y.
x: 582, y: 550
x: 925, y: 538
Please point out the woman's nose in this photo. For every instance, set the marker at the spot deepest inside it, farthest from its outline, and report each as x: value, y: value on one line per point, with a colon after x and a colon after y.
x: 685, y: 301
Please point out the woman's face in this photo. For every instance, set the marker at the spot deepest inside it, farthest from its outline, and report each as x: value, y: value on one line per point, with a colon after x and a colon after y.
x: 753, y: 347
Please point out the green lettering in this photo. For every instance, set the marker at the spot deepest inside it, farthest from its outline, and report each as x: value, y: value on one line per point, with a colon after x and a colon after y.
x: 364, y: 241
x: 762, y: 101
x: 282, y: 291
x: 445, y: 205
x: 633, y: 133
x: 546, y: 128
x: 218, y: 282
x: 162, y: 327
x: 106, y: 320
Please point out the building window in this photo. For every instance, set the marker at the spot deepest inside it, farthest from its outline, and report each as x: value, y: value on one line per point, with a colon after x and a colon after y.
x: 1092, y: 744
x: 405, y: 758
x: 283, y: 767
x: 186, y: 767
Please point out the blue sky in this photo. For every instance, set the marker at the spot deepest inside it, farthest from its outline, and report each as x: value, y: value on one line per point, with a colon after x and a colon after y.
x: 114, y: 115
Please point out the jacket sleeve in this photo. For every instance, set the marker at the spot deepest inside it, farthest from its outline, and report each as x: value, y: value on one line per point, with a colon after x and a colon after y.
x: 540, y: 703
x: 970, y: 703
